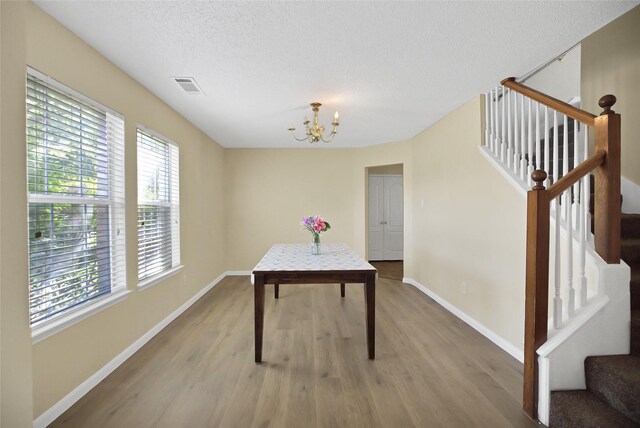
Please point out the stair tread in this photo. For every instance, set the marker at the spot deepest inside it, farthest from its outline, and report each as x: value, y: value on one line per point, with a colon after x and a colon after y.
x: 630, y: 225
x: 616, y: 380
x: 630, y: 251
x: 580, y: 408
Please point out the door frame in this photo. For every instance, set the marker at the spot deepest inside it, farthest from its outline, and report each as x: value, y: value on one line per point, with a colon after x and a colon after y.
x: 367, y: 172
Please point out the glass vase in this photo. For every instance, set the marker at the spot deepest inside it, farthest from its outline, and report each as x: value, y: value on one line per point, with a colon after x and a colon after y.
x: 315, y: 245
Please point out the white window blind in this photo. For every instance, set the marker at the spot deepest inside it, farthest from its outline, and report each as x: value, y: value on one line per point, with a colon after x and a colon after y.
x: 75, y: 181
x: 158, y: 205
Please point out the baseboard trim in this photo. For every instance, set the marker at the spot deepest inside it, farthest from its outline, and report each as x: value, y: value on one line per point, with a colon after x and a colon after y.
x: 237, y: 273
x: 516, y: 353
x: 70, y: 399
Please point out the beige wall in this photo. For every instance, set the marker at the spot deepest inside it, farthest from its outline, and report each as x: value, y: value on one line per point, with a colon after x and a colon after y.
x: 268, y: 191
x: 15, y: 337
x: 472, y: 227
x: 386, y: 169
x: 63, y: 361
x: 561, y: 79
x: 611, y: 65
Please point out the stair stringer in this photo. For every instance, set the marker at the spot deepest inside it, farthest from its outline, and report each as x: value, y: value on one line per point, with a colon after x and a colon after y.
x: 601, y: 328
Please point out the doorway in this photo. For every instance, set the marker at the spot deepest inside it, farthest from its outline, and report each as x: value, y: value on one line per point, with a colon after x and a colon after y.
x: 385, y: 213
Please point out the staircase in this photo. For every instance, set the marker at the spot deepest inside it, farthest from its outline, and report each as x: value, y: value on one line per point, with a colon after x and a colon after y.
x: 612, y: 397
x: 576, y: 297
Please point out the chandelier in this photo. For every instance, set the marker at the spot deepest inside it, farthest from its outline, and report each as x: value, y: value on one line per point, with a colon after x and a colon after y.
x: 315, y: 132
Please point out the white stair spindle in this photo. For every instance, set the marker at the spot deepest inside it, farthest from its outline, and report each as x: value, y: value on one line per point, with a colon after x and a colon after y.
x: 576, y: 162
x: 581, y: 280
x: 569, y: 252
x: 516, y: 135
x: 486, y: 119
x: 496, y: 146
x: 557, y: 300
x: 503, y: 141
x: 565, y: 156
x: 509, y: 135
x: 587, y: 178
x: 556, y: 158
x: 538, y: 163
x: 530, y: 144
x: 491, y: 120
x: 493, y: 123
x: 523, y: 147
x: 546, y: 146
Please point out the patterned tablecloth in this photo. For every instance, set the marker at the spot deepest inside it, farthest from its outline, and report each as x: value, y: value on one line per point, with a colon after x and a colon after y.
x: 298, y: 257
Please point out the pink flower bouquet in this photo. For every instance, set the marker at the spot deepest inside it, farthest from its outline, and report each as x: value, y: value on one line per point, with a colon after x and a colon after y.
x: 316, y: 225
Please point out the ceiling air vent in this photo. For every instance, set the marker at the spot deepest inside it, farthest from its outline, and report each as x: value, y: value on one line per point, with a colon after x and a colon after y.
x: 189, y: 85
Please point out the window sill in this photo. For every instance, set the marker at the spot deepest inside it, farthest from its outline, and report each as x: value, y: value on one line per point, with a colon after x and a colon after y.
x: 150, y: 282
x: 57, y: 324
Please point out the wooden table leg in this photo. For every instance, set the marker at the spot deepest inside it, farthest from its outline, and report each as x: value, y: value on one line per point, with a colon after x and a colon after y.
x: 342, y: 289
x: 276, y: 290
x: 258, y: 300
x: 370, y: 308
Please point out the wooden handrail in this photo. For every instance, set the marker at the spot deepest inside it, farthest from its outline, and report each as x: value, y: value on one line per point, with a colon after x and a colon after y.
x: 577, y: 173
x: 560, y: 106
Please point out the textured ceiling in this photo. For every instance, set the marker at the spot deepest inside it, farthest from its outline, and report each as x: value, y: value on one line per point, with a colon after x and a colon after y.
x: 390, y: 68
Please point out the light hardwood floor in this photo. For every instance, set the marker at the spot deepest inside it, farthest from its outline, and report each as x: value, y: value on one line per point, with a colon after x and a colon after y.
x: 390, y: 269
x: 430, y: 370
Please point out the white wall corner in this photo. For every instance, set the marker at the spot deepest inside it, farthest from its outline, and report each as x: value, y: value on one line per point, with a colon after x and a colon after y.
x: 601, y: 328
x: 70, y: 399
x: 630, y: 196
x: 501, y: 342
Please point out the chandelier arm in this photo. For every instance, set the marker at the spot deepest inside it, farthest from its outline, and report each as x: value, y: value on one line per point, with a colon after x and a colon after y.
x: 330, y: 139
x: 331, y: 135
x: 299, y: 139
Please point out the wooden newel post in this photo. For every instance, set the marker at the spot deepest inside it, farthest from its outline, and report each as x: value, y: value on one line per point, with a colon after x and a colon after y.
x: 537, y: 288
x: 607, y: 186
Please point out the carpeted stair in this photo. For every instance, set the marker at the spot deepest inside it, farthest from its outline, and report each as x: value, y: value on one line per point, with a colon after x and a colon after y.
x: 612, y: 397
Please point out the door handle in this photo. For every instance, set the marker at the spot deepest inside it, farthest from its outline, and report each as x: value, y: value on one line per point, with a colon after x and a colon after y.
x: 383, y: 222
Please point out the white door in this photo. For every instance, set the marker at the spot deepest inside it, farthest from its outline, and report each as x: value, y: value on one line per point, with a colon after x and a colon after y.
x: 376, y: 215
x: 393, y: 240
x: 386, y: 212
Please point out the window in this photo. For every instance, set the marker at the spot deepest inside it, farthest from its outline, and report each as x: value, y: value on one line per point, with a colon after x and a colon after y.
x: 158, y: 206
x: 76, y: 199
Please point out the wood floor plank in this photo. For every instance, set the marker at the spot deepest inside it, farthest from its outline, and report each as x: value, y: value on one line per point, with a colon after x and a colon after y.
x: 301, y: 394
x: 431, y: 369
